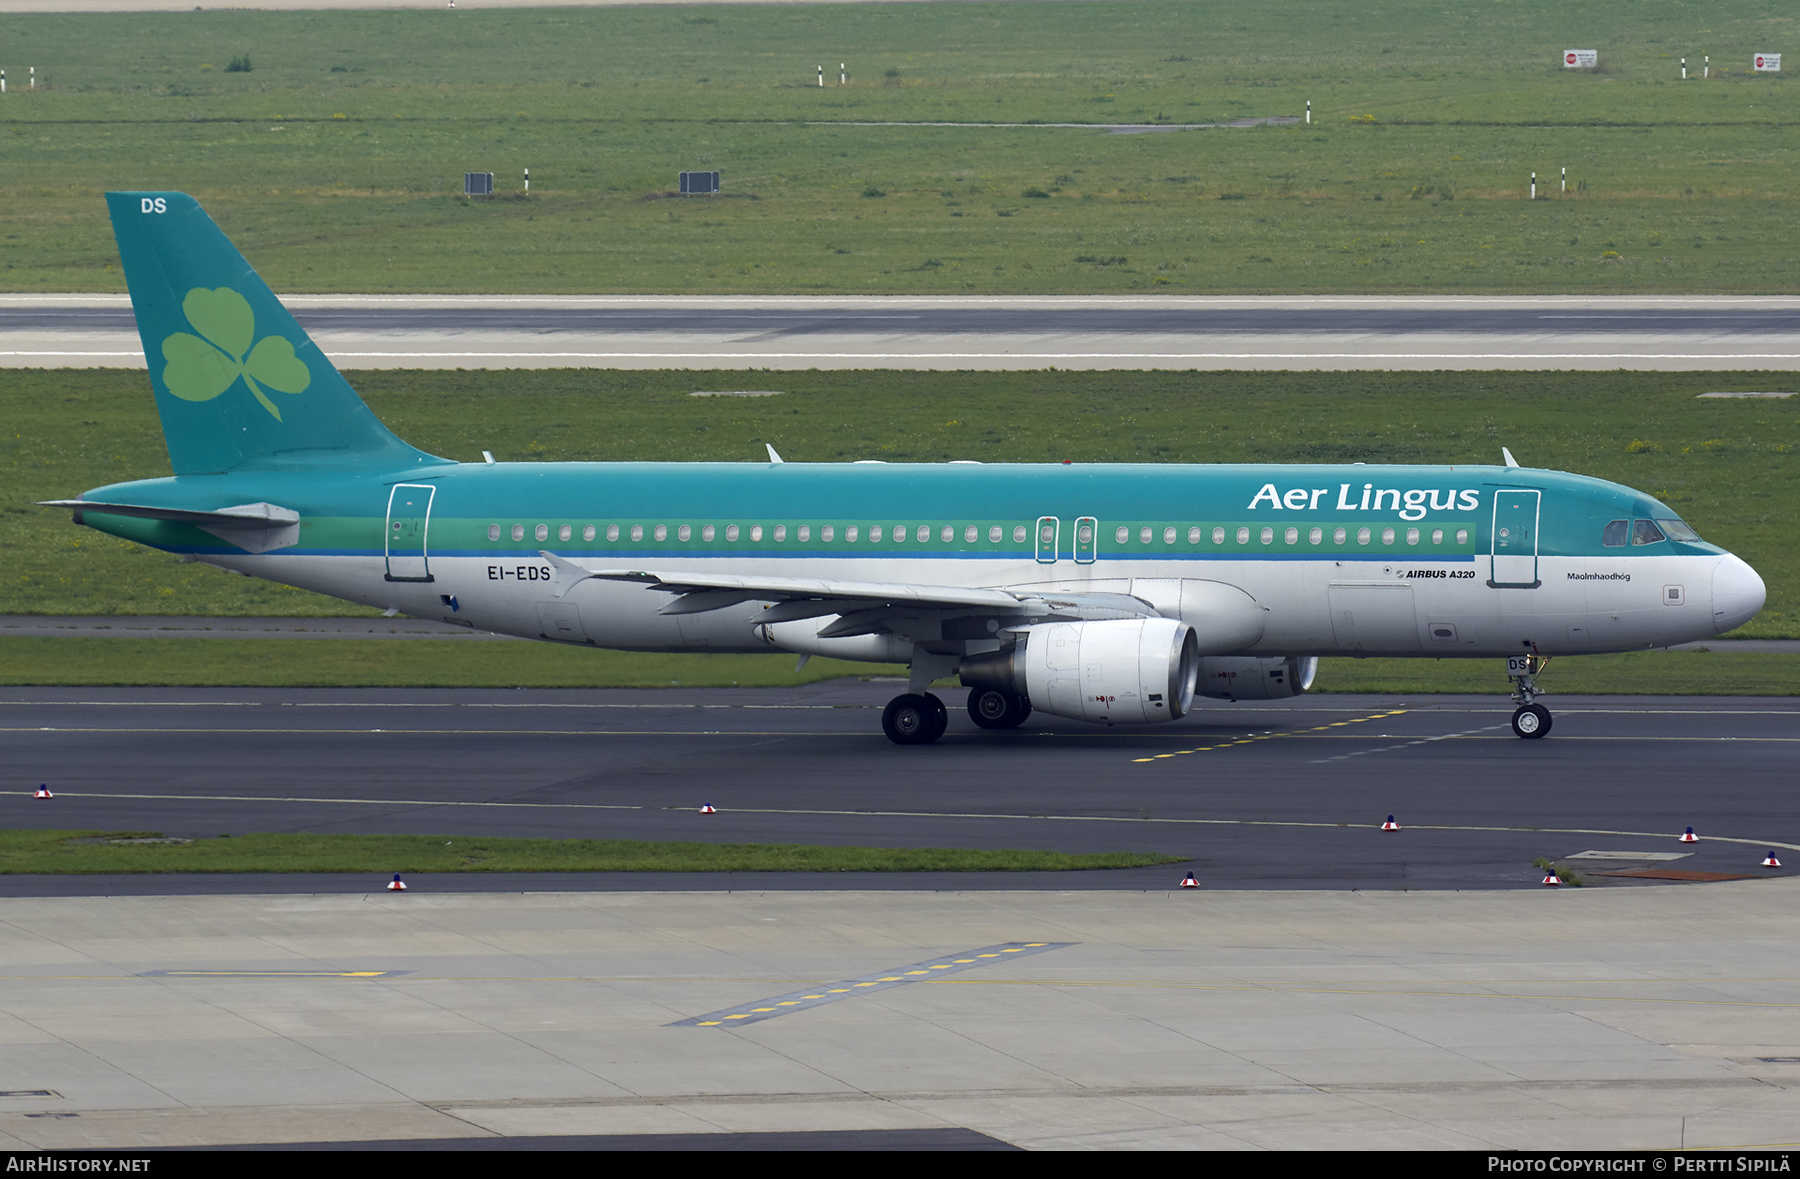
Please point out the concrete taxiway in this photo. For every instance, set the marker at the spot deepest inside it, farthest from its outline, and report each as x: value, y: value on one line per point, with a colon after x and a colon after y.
x: 846, y: 332
x: 1641, y: 1018
x: 1414, y: 988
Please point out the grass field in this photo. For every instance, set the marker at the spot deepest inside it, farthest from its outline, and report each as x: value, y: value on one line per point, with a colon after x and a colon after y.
x: 336, y: 159
x: 1728, y: 466
x: 132, y: 852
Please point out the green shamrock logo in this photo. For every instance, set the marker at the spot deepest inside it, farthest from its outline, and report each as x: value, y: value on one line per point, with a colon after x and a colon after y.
x: 204, y: 366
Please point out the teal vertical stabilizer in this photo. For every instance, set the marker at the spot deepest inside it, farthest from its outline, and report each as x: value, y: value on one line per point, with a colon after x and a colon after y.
x: 238, y: 383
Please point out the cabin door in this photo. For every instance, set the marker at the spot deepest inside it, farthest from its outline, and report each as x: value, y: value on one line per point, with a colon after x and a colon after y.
x: 408, y: 522
x: 1516, y: 515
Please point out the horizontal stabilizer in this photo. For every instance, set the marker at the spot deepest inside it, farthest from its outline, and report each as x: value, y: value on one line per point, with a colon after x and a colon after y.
x: 255, y: 528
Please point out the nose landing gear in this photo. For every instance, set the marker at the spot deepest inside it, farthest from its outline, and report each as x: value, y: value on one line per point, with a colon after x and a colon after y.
x: 1529, y: 720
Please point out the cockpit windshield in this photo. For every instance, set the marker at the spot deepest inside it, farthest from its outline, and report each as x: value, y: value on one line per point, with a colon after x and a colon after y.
x: 1678, y: 530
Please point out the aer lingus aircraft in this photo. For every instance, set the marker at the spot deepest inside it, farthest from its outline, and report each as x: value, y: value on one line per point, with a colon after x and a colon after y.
x: 1104, y: 592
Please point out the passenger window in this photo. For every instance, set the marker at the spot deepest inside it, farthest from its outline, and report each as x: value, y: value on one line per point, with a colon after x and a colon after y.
x: 1437, y: 536
x: 925, y: 533
x: 685, y: 532
x: 518, y: 532
x: 1243, y: 536
x: 874, y: 535
x: 1122, y: 536
x: 1462, y: 536
x: 755, y: 532
x: 1168, y: 536
x: 994, y: 534
x: 543, y: 532
x: 1194, y: 536
x: 1412, y: 536
x: 1019, y: 534
x: 1617, y: 532
x: 707, y: 532
x: 948, y: 534
x: 805, y: 533
x: 1143, y: 536
x: 1218, y: 536
x: 1291, y: 536
x: 970, y: 534
x: 829, y: 533
x: 1362, y: 536
x: 731, y: 532
x: 565, y: 532
x: 1338, y: 536
x: 1268, y: 536
x: 493, y: 532
x: 612, y: 532
x: 588, y: 532
x: 1387, y: 536
x: 662, y: 532
x: 780, y: 533
x: 850, y: 534
x: 1646, y: 532
x: 1316, y: 536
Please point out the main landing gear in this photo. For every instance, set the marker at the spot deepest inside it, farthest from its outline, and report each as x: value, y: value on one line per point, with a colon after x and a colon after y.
x: 991, y: 708
x: 919, y: 718
x: 915, y: 719
x: 1529, y: 720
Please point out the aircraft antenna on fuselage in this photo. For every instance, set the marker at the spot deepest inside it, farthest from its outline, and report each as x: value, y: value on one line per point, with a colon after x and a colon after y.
x: 1510, y: 460
x: 773, y: 457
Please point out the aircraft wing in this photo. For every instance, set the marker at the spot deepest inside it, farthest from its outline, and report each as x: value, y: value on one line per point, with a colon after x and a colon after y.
x: 803, y: 597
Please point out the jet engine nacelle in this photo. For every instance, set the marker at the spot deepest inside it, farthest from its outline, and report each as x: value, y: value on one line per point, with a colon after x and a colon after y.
x: 1239, y: 678
x: 1122, y: 671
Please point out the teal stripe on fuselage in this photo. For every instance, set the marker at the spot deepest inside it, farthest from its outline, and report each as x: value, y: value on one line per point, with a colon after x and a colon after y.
x: 472, y: 497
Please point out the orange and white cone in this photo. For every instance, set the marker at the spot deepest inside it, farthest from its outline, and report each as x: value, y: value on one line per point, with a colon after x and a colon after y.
x: 1390, y: 825
x: 43, y: 791
x: 1188, y: 881
x: 1688, y: 836
x: 396, y: 884
x: 1771, y: 862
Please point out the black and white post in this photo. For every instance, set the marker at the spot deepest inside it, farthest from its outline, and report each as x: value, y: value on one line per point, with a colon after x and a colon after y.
x: 843, y: 74
x: 1309, y: 112
x: 821, y: 75
x: 1534, y: 186
x: 528, y: 182
x: 1684, y: 69
x: 1565, y: 179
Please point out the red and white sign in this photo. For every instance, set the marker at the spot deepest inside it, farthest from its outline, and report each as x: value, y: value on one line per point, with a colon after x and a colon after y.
x: 1584, y: 59
x: 1770, y: 62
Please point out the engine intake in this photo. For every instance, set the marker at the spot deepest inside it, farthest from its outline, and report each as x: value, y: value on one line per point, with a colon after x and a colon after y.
x: 1123, y: 671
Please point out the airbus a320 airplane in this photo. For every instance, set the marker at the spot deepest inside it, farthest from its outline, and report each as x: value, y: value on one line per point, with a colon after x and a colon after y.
x: 1106, y: 593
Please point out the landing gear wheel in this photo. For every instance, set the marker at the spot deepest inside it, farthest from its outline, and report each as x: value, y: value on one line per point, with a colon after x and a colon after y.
x: 1533, y: 720
x: 993, y: 709
x: 914, y: 719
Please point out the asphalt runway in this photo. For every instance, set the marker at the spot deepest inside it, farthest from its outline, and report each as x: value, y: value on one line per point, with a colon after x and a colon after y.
x: 1272, y: 795
x: 1331, y: 333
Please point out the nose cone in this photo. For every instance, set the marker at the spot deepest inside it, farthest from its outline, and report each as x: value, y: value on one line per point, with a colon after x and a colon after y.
x: 1737, y: 594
